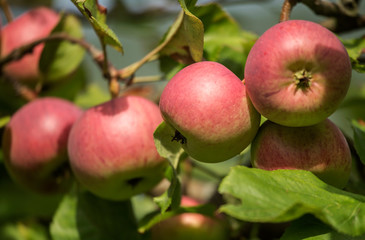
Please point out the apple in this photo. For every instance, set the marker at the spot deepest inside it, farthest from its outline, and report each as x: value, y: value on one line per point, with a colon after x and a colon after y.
x: 29, y: 27
x: 35, y: 144
x: 112, y: 151
x: 297, y: 73
x: 207, y: 105
x: 190, y: 226
x: 321, y: 149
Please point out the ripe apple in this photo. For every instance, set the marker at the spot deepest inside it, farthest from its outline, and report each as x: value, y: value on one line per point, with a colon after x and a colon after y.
x: 207, y: 105
x: 321, y: 149
x: 190, y: 226
x: 35, y: 144
x: 297, y: 73
x: 112, y: 151
x: 30, y: 26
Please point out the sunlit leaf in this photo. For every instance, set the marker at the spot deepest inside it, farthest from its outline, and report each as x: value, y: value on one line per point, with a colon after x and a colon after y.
x: 284, y: 195
x: 172, y: 151
x: 96, y: 15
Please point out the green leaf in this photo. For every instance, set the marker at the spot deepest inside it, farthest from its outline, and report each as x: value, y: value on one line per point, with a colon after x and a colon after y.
x: 359, y: 139
x: 60, y: 58
x: 355, y: 47
x: 23, y: 230
x: 284, y: 195
x: 4, y: 121
x: 172, y: 151
x: 310, y: 228
x: 91, y: 96
x: 85, y: 216
x: 224, y: 40
x: 96, y: 15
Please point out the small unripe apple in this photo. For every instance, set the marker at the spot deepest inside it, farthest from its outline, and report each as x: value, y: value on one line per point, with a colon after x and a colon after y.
x: 30, y: 26
x: 190, y: 226
x: 35, y: 144
x: 207, y: 105
x: 297, y: 73
x: 112, y: 151
x: 321, y: 149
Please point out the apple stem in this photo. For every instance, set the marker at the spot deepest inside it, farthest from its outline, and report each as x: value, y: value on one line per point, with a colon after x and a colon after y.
x: 286, y: 9
x: 7, y: 11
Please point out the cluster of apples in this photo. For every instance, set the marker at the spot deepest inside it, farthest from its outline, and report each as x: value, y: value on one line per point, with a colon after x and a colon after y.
x: 110, y: 149
x: 296, y: 75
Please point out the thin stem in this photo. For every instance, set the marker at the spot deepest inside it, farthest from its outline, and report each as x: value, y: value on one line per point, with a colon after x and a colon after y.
x: 286, y: 9
x: 7, y: 11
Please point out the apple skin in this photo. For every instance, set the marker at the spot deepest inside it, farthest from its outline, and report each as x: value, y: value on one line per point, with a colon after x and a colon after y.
x: 321, y: 149
x: 35, y: 145
x: 207, y: 105
x: 28, y: 27
x: 190, y: 226
x: 112, y: 151
x: 297, y: 73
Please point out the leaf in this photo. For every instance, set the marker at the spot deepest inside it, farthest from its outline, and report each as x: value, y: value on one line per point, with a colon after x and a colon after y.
x: 310, y: 228
x: 173, y: 152
x: 29, y: 230
x: 85, y: 216
x: 96, y: 15
x: 359, y: 139
x: 224, y: 40
x: 4, y: 121
x: 355, y: 48
x: 284, y: 195
x: 182, y: 42
x: 91, y: 96
x: 60, y: 58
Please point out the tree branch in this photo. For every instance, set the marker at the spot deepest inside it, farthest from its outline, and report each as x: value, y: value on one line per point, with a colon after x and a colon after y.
x: 112, y: 75
x: 343, y: 16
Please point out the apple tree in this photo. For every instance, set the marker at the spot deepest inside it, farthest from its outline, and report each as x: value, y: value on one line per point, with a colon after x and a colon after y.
x: 235, y: 134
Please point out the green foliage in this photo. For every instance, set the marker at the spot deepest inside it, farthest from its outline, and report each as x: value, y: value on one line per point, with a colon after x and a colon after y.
x: 310, y: 228
x: 96, y: 15
x: 355, y: 48
x: 60, y: 58
x: 173, y: 152
x: 284, y: 195
x: 81, y: 215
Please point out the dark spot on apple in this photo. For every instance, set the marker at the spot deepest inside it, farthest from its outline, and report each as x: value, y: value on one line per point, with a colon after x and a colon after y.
x: 134, y: 181
x: 178, y: 137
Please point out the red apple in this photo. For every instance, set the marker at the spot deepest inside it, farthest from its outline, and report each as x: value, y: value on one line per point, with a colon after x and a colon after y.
x: 297, y: 73
x: 321, y: 149
x: 190, y: 226
x: 30, y: 26
x: 112, y: 151
x: 207, y: 105
x: 35, y: 144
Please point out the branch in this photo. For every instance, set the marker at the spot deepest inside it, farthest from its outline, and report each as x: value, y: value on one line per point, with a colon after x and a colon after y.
x: 286, y: 9
x: 343, y: 16
x: 7, y: 11
x: 112, y: 75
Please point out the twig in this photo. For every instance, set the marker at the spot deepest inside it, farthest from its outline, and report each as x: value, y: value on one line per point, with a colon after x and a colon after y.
x: 286, y: 9
x: 109, y: 71
x: 343, y: 16
x: 7, y: 11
